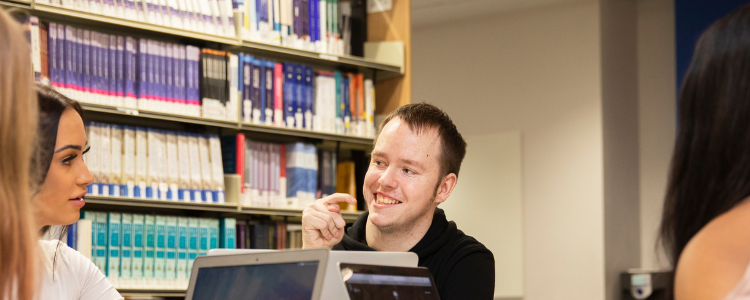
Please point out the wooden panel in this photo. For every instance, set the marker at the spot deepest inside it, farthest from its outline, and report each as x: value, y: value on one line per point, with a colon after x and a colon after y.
x: 393, y: 25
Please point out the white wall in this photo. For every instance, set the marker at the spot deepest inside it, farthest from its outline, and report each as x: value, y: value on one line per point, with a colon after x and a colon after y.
x: 657, y: 94
x: 493, y: 160
x: 537, y: 72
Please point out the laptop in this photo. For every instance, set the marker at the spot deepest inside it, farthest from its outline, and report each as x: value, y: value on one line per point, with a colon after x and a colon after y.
x: 333, y: 288
x: 364, y: 282
x: 283, y: 275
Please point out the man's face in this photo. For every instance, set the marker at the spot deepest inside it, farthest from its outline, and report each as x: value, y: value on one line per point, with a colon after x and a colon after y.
x: 401, y: 181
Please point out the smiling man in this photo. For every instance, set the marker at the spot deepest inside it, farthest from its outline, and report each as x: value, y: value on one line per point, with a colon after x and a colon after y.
x: 414, y: 167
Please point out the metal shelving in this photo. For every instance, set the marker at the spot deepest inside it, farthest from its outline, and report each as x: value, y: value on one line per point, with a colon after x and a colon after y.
x: 105, y: 202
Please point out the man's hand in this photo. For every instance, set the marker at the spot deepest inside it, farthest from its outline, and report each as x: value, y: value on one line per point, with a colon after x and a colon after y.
x: 322, y: 223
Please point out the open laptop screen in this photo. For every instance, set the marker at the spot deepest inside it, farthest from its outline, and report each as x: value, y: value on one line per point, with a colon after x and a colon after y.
x: 285, y: 281
x: 364, y: 282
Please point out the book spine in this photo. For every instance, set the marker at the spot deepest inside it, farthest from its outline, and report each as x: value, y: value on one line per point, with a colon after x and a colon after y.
x: 69, y: 61
x: 170, y: 268
x: 339, y: 105
x: 105, y: 159
x: 246, y: 75
x: 278, y: 95
x: 112, y: 71
x: 269, y: 95
x: 141, y: 163
x: 308, y: 98
x: 322, y: 26
x: 127, y: 251
x: 149, y: 262
x: 139, y: 239
x: 102, y: 228
x: 262, y: 105
x: 228, y: 233
x: 116, y: 142
x: 36, y: 49
x: 255, y: 90
x: 289, y: 100
x: 163, y: 171
x: 85, y: 235
x: 203, y: 232
x: 87, y: 66
x: 217, y: 169
x: 183, y: 150
x: 160, y: 250
x: 205, y: 166
x: 182, y: 252
x: 169, y: 76
x: 52, y: 55
x: 193, y: 242
x: 195, y: 167
x: 62, y: 59
x: 72, y: 235
x: 213, y: 234
x: 120, y: 71
x: 130, y: 73
x: 113, y: 247
x: 299, y: 96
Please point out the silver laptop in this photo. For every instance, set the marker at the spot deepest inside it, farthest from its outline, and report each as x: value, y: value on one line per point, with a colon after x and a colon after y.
x: 289, y: 274
x: 333, y: 287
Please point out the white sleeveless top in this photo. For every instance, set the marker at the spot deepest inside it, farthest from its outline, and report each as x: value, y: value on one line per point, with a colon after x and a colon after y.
x: 75, y: 276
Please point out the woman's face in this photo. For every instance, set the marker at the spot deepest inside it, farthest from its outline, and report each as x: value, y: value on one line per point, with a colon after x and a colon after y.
x: 60, y: 197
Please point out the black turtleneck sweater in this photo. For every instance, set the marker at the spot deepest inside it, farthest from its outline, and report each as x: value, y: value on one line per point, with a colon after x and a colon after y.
x: 462, y: 267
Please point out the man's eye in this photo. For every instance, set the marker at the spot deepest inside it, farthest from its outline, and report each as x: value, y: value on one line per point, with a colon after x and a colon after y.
x: 408, y: 171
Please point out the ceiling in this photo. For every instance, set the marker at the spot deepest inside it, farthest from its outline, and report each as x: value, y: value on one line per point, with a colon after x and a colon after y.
x: 431, y: 12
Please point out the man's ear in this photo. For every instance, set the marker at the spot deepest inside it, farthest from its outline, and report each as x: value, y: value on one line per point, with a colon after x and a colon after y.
x: 445, y: 188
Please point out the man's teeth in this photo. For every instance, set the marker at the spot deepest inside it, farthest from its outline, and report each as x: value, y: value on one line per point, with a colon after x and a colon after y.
x: 383, y: 200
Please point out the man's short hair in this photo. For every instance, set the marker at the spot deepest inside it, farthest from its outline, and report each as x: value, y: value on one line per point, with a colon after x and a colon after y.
x: 420, y: 116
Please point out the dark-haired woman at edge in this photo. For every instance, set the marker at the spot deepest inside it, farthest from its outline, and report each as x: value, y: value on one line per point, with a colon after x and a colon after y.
x: 706, y: 223
x: 63, y: 177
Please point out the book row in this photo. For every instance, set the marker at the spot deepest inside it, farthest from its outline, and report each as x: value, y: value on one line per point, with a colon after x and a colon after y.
x: 156, y: 251
x: 325, y: 26
x: 148, y: 163
x: 154, y: 164
x: 206, y: 16
x: 276, y: 175
x: 177, y: 79
x: 140, y: 251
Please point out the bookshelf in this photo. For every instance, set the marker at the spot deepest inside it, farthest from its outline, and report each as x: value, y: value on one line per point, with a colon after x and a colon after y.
x: 392, y: 86
x: 51, y: 12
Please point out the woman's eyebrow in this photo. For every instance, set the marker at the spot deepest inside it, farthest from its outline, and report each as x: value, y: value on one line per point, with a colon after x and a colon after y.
x: 76, y: 147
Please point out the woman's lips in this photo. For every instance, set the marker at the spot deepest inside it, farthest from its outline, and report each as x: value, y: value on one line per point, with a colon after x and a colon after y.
x: 77, y: 202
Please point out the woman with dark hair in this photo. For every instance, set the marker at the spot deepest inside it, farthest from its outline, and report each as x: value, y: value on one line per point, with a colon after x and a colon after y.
x: 705, y: 227
x: 63, y: 178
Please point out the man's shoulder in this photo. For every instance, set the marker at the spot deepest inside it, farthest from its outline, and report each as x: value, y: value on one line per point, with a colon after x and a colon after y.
x: 466, y: 243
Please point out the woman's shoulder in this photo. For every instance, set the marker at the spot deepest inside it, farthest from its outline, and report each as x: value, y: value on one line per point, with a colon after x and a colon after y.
x: 63, y: 255
x: 716, y: 258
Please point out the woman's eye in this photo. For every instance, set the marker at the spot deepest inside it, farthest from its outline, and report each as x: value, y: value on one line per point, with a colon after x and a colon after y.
x: 67, y: 160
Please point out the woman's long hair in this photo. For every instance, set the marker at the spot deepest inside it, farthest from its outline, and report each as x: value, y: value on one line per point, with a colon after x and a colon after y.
x: 18, y: 117
x: 710, y: 171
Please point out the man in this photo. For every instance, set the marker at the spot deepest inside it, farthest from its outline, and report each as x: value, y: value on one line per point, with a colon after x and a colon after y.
x: 414, y: 167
